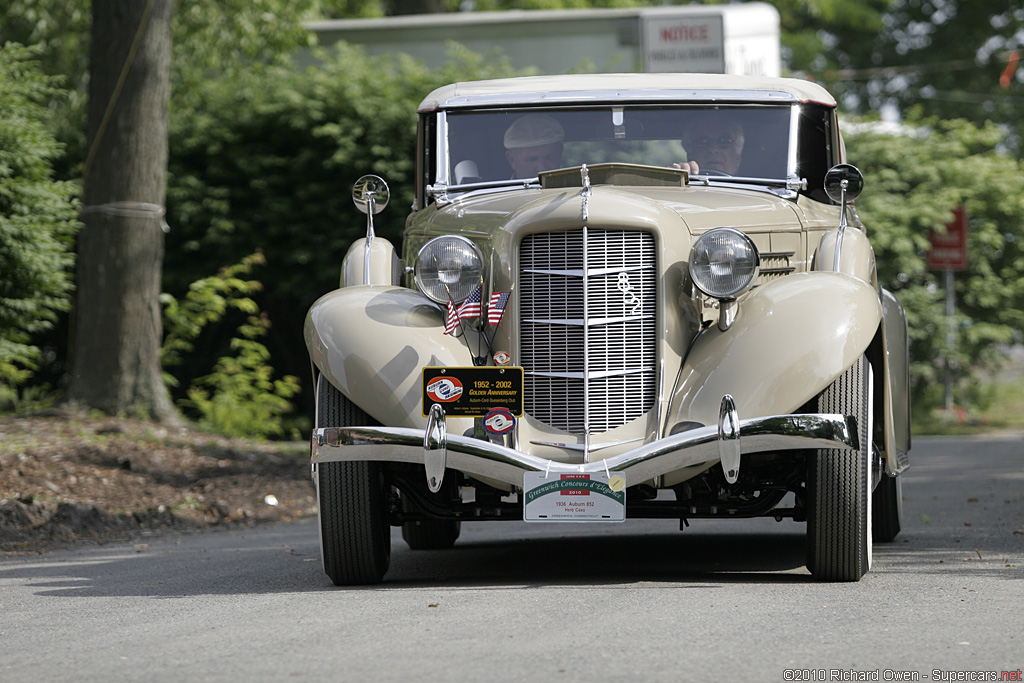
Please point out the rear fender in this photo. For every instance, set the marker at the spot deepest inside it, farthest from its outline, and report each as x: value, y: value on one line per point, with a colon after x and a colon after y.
x: 895, y: 347
x: 791, y: 339
x: 372, y: 343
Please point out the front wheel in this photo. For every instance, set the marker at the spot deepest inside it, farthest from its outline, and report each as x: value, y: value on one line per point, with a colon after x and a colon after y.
x: 355, y: 537
x: 839, y: 486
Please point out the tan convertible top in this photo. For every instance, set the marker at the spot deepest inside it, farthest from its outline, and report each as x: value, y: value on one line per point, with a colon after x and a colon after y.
x: 628, y: 87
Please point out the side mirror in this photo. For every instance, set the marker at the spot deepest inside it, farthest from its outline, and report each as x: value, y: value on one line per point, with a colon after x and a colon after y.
x: 843, y: 184
x: 370, y: 194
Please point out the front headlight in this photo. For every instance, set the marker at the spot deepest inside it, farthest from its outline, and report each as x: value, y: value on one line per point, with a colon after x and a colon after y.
x: 723, y: 263
x: 449, y: 268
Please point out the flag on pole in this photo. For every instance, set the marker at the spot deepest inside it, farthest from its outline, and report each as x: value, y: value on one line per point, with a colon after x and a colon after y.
x: 496, y: 307
x: 453, y: 318
x: 470, y: 308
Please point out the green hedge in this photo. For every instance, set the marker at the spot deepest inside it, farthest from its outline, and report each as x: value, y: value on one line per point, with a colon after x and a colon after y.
x: 266, y: 161
x: 38, y: 215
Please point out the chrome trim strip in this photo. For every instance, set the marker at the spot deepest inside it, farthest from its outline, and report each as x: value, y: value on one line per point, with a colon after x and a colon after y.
x: 592, y: 375
x: 441, y: 153
x: 794, y: 128
x: 592, y: 272
x: 634, y: 97
x: 484, y: 459
x: 586, y: 347
x: 595, y: 322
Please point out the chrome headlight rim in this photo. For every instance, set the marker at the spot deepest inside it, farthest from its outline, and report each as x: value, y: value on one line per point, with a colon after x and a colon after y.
x: 738, y: 280
x: 428, y: 280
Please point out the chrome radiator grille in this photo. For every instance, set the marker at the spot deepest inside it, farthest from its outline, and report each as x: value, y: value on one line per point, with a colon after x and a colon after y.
x: 588, y: 338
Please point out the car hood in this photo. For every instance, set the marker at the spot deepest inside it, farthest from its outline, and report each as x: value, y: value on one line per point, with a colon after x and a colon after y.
x: 695, y: 208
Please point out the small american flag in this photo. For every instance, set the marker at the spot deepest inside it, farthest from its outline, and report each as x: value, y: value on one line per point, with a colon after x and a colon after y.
x: 470, y: 308
x: 453, y: 319
x: 496, y: 307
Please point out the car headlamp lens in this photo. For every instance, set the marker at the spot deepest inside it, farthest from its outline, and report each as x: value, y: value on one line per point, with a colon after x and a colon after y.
x: 448, y: 268
x: 723, y: 263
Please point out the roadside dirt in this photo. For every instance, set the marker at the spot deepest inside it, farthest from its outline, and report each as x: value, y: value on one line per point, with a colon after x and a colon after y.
x: 69, y: 480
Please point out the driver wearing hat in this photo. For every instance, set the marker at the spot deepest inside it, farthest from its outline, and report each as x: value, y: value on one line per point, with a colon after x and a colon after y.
x: 533, y: 143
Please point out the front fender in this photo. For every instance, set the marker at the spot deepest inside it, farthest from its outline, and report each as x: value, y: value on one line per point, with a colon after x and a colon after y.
x: 372, y: 343
x: 791, y: 339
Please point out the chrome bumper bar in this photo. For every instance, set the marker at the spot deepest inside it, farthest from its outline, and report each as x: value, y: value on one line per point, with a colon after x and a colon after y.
x: 436, y: 450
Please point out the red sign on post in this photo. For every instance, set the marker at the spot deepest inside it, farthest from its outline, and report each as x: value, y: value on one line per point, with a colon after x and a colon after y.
x: 949, y: 249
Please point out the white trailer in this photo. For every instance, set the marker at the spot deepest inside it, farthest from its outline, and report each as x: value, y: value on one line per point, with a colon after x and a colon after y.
x: 735, y: 39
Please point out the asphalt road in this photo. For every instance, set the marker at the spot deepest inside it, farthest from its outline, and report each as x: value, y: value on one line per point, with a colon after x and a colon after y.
x: 722, y: 601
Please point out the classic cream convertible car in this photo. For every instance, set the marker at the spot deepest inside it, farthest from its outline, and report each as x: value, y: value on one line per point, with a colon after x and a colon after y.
x: 618, y: 296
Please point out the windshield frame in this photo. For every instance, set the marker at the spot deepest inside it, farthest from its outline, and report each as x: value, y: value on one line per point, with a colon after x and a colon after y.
x: 442, y: 167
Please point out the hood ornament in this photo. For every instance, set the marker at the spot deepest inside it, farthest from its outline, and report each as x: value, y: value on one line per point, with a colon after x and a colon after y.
x: 585, y: 193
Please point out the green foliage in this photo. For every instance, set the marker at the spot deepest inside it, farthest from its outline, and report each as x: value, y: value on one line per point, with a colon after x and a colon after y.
x: 240, y: 397
x: 822, y: 35
x: 206, y: 302
x: 337, y: 9
x: 38, y: 216
x: 914, y: 178
x: 266, y: 159
x: 949, y: 58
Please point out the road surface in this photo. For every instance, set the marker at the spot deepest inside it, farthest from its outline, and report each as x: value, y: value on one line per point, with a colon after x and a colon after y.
x: 721, y: 601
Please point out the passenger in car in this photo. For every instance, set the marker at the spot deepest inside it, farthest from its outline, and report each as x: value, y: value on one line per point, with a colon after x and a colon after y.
x: 533, y: 143
x: 714, y: 143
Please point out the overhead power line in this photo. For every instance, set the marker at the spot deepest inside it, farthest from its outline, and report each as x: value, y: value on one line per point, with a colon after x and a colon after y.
x: 870, y: 73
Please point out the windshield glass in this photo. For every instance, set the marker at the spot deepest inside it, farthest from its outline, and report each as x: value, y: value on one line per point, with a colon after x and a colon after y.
x: 492, y: 145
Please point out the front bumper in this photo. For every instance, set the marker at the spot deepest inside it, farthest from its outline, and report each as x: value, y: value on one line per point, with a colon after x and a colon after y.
x: 436, y: 450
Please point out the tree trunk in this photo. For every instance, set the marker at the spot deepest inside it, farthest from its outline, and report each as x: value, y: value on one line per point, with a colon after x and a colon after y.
x: 117, y: 320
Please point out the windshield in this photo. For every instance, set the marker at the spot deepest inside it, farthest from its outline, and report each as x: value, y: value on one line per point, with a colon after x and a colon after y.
x: 493, y: 145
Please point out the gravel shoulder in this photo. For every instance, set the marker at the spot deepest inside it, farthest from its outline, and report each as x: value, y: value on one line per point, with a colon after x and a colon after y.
x: 73, y: 479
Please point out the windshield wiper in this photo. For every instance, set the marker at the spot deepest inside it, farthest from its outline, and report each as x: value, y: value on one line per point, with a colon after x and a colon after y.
x: 440, y: 190
x: 791, y: 183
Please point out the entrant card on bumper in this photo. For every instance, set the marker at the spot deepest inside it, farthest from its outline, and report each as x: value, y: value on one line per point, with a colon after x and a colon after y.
x: 550, y: 497
x: 473, y: 391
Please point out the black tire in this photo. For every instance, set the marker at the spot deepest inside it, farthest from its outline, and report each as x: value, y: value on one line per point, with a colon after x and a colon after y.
x: 355, y: 538
x: 839, y: 487
x: 887, y: 515
x: 431, y: 534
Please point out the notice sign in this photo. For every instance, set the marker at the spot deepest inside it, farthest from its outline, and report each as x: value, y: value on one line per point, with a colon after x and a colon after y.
x: 475, y: 392
x: 574, y: 497
x: 949, y: 248
x: 691, y: 43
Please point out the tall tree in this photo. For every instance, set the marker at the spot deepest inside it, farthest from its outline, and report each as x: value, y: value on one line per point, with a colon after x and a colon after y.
x: 944, y: 58
x: 117, y: 323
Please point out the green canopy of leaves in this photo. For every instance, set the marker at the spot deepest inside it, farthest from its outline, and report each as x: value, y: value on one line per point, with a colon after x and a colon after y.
x: 915, y: 176
x: 38, y: 216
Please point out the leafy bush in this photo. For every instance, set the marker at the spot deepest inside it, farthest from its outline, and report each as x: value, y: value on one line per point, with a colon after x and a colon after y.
x: 240, y: 397
x: 38, y: 216
x: 266, y: 160
x: 914, y: 178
